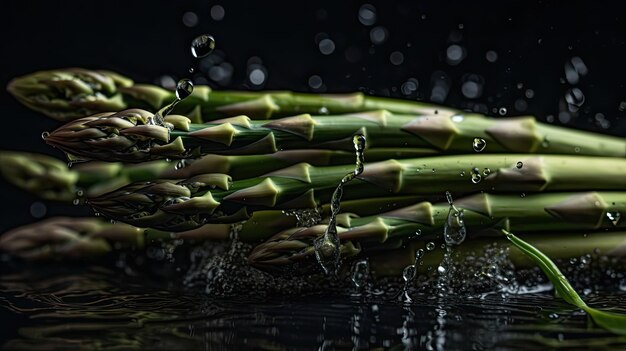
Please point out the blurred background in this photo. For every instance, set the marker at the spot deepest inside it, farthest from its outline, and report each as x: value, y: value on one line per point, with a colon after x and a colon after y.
x: 562, y: 62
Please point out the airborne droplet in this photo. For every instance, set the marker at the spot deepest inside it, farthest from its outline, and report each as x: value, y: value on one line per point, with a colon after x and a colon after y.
x: 202, y: 45
x: 360, y: 273
x: 519, y: 164
x: 430, y: 246
x: 45, y: 135
x: 479, y: 144
x: 184, y: 88
x: 454, y: 231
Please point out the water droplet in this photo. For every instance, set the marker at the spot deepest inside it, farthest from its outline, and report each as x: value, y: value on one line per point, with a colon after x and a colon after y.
x: 454, y: 231
x: 441, y: 269
x: 180, y: 164
x: 327, y: 247
x: 38, y: 209
x: 80, y: 192
x: 545, y: 142
x: 396, y: 58
x: 573, y: 260
x: 491, y: 56
x: 479, y: 144
x: 315, y: 82
x: 367, y: 15
x: 553, y: 316
x: 190, y: 19
x: 323, y: 110
x: 575, y: 98
x: 326, y: 46
x: 408, y: 274
x: 184, y: 88
x: 378, y: 35
x: 476, y: 178
x: 75, y: 202
x: 502, y: 111
x: 45, y: 135
x: 419, y: 254
x: 614, y: 217
x: 191, y: 70
x: 202, y: 45
x: 113, y: 221
x: 430, y: 246
x: 522, y: 195
x: 486, y: 171
x: 217, y: 12
x: 360, y: 272
x: 519, y: 164
x: 462, y: 173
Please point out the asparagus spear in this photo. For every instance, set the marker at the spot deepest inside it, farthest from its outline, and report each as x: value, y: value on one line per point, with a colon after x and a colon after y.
x: 50, y: 179
x: 214, y: 198
x: 87, y: 238
x: 558, y: 245
x: 534, y: 213
x: 131, y: 136
x: 67, y: 94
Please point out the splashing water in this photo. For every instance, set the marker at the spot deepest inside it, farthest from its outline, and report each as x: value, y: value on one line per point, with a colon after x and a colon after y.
x: 360, y: 273
x: 184, y: 88
x: 408, y: 274
x: 454, y: 231
x: 327, y: 250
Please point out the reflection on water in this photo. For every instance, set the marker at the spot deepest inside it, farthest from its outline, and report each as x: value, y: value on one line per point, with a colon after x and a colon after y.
x: 84, y: 308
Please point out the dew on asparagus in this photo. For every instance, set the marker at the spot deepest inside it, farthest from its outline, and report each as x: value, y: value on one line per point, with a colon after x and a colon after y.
x: 327, y: 248
x: 486, y: 171
x: 519, y: 164
x: 614, y: 217
x: 454, y: 230
x: 479, y: 144
x: 476, y: 177
x: 202, y: 45
x: 457, y: 118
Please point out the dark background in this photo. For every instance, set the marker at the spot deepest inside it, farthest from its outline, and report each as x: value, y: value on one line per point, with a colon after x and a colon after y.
x: 147, y: 40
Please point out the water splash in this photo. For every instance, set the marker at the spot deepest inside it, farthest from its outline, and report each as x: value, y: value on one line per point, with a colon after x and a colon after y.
x: 305, y: 217
x: 184, y: 88
x: 360, y: 273
x: 327, y: 250
x: 408, y: 274
x: 454, y: 230
x: 614, y: 217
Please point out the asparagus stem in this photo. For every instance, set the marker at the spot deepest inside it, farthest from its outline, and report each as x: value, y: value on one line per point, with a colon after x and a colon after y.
x: 50, y: 179
x: 558, y: 245
x: 534, y: 213
x: 67, y: 94
x: 129, y: 135
x: 215, y: 198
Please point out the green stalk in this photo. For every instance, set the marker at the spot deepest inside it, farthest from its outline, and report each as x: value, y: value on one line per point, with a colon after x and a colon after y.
x: 50, y: 179
x: 130, y: 136
x: 534, y: 213
x: 613, y: 322
x: 67, y: 94
x: 215, y: 198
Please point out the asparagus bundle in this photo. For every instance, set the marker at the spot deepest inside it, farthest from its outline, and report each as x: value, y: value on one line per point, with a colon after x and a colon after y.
x: 214, y: 198
x: 132, y: 136
x: 67, y: 94
x: 558, y: 212
x: 50, y: 179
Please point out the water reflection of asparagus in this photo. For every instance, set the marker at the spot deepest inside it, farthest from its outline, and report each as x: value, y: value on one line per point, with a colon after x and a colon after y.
x: 560, y: 212
x: 214, y: 198
x: 67, y: 94
x: 130, y: 136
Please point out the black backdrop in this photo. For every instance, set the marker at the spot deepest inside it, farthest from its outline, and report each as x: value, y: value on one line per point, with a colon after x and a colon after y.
x: 148, y: 39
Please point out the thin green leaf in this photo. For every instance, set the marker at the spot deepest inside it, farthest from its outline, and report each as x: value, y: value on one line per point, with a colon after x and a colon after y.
x: 613, y: 322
